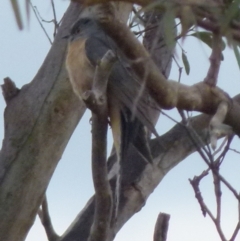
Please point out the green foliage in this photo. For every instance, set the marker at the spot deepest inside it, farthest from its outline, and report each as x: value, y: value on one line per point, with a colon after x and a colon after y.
x: 185, y: 62
x: 230, y: 12
x: 237, y: 54
x: 169, y: 28
x: 206, y: 37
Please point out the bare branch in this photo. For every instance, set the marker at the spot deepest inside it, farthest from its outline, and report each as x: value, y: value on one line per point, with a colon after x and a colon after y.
x: 217, y: 128
x: 215, y: 60
x: 235, y: 233
x: 195, y: 184
x: 161, y: 227
x: 217, y: 189
x: 228, y: 185
x: 9, y: 89
x: 45, y: 218
x: 205, y: 210
x: 56, y: 25
x: 234, y: 150
x: 103, y: 199
x: 37, y: 17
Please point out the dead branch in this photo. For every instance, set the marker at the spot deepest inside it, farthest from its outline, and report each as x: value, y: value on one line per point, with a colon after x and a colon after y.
x: 9, y: 89
x: 195, y: 184
x: 56, y: 25
x: 215, y: 60
x: 161, y: 227
x: 217, y: 128
x: 37, y: 15
x: 214, y: 166
x: 45, y: 218
x: 235, y: 233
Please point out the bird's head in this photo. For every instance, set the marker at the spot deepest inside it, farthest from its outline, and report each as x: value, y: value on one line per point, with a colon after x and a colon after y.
x: 83, y: 27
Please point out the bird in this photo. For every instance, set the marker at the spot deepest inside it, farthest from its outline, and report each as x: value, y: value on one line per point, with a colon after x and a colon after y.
x: 129, y: 119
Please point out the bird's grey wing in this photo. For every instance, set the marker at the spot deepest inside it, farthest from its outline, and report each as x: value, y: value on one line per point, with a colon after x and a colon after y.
x: 123, y: 83
x: 124, y: 86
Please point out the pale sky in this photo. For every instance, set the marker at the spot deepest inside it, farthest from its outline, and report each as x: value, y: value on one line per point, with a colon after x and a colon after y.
x: 21, y: 55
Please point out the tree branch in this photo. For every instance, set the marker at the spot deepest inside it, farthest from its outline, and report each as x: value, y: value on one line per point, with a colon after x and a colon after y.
x: 168, y: 94
x: 215, y: 60
x: 161, y: 227
x: 9, y: 89
x: 45, y: 218
x: 103, y: 194
x: 39, y: 121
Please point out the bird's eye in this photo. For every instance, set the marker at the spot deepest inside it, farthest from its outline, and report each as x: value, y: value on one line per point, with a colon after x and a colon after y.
x: 75, y: 30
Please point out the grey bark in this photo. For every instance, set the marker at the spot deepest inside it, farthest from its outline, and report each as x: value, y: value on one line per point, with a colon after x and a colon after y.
x: 39, y: 122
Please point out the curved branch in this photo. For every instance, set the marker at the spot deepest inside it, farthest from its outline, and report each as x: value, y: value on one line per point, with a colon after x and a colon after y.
x: 46, y: 221
x: 169, y: 94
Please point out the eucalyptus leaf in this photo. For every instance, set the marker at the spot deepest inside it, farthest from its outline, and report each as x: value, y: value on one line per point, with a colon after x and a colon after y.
x: 237, y: 54
x: 206, y: 37
x: 169, y: 25
x: 230, y: 13
x: 186, y: 63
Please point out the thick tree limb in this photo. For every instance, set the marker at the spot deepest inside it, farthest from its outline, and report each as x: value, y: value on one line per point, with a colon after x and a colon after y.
x: 38, y: 124
x: 169, y: 94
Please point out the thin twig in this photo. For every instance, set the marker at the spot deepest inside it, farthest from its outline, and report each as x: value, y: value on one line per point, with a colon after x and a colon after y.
x: 217, y: 189
x: 221, y: 146
x: 45, y: 218
x: 205, y: 210
x: 37, y: 16
x: 54, y: 18
x: 234, y: 150
x: 195, y: 184
x: 228, y: 185
x: 236, y: 230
